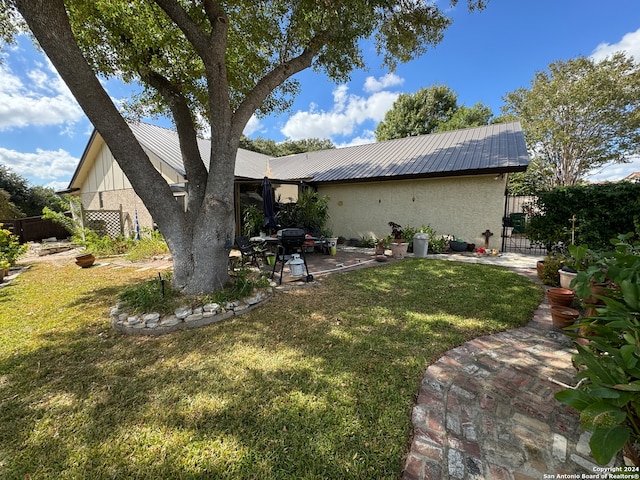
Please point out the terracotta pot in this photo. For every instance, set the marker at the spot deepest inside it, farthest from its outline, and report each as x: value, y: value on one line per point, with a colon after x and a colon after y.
x: 560, y: 296
x: 596, y: 289
x: 540, y: 268
x: 85, y: 260
x: 563, y: 317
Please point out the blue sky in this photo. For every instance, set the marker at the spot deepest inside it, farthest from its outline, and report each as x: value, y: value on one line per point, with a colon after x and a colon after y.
x: 483, y: 56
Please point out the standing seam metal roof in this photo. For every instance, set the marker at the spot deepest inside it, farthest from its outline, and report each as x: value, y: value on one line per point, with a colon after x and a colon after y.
x: 498, y: 147
x: 164, y: 143
x: 479, y: 149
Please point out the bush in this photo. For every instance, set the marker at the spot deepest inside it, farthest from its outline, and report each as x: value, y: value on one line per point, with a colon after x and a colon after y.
x: 601, y: 212
x: 10, y: 248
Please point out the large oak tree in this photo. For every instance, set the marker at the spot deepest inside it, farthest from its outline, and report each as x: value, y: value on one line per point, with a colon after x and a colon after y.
x: 211, y: 64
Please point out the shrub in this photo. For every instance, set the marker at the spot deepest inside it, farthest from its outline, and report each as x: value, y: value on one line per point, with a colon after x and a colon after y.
x: 608, y: 392
x: 601, y: 211
x: 10, y: 248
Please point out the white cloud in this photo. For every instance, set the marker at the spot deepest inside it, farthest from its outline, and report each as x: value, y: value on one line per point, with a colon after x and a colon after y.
x: 630, y: 44
x: 40, y: 98
x: 368, y: 136
x: 373, y: 84
x: 616, y: 171
x: 348, y: 111
x: 40, y: 167
x: 253, y: 125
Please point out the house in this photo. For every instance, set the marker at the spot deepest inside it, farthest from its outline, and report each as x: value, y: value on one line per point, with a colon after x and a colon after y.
x: 453, y: 181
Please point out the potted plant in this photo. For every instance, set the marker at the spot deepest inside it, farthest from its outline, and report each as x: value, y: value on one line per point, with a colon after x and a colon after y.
x: 608, y: 391
x: 381, y: 246
x: 398, y: 244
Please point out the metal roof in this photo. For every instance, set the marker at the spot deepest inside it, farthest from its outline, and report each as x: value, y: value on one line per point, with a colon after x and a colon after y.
x: 164, y: 143
x: 492, y: 148
x: 497, y: 148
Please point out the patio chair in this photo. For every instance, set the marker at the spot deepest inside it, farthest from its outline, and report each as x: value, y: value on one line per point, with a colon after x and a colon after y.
x: 250, y: 251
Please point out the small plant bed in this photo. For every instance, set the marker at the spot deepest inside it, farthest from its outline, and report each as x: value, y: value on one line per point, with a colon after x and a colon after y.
x: 154, y: 307
x: 316, y: 383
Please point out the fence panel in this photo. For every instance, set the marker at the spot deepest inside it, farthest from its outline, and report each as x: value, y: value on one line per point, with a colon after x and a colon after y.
x: 104, y: 222
x: 35, y: 229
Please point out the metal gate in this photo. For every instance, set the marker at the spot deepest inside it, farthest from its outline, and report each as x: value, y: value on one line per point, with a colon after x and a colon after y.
x: 517, y: 211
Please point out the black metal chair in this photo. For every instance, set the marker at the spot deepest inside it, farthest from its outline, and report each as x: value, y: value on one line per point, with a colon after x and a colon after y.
x: 250, y: 251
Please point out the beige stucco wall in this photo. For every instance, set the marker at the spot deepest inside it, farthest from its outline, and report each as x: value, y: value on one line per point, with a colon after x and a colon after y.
x: 105, y: 186
x: 461, y: 206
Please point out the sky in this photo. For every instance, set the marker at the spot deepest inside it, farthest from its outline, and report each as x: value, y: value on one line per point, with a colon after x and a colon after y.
x: 484, y: 56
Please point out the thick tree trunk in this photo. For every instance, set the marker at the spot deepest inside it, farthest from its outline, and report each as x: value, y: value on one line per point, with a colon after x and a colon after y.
x: 200, y: 263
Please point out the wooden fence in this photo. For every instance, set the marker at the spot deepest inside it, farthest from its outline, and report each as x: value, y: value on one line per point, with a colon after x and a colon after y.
x: 34, y: 229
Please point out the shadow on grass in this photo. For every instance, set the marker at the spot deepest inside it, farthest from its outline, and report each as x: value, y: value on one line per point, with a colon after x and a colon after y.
x: 317, y: 383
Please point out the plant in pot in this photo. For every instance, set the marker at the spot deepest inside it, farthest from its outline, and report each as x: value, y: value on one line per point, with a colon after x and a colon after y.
x: 381, y: 246
x: 608, y: 363
x: 398, y: 244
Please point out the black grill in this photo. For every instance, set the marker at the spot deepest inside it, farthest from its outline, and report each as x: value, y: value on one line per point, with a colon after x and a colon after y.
x: 291, y: 241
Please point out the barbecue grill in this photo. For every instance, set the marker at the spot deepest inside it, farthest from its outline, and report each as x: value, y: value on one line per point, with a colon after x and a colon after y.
x: 291, y: 241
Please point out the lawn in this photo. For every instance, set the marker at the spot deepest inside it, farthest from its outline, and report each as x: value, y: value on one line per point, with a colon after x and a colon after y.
x: 317, y: 383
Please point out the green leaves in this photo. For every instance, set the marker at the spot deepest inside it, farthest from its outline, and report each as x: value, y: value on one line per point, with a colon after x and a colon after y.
x: 578, y: 115
x: 605, y: 443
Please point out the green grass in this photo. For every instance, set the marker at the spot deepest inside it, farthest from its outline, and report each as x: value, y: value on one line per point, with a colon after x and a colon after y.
x: 317, y: 383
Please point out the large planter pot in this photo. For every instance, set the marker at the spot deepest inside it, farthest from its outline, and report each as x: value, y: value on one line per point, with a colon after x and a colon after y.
x: 85, y: 260
x: 566, y: 278
x: 458, y: 246
x: 560, y: 296
x: 398, y: 250
x: 563, y: 317
x: 596, y: 289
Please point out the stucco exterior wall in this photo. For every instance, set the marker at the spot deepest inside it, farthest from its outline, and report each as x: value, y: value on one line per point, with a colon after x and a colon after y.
x: 461, y: 206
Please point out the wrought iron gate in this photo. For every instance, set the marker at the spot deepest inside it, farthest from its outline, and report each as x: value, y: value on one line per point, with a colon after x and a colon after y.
x: 517, y: 211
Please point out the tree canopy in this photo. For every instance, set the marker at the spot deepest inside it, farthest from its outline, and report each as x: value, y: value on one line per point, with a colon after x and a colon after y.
x: 18, y: 198
x: 429, y: 110
x: 578, y: 116
x: 288, y: 147
x: 211, y: 65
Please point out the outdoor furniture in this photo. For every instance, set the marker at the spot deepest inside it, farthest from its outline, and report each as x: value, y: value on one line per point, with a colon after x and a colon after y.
x: 250, y: 251
x: 291, y: 240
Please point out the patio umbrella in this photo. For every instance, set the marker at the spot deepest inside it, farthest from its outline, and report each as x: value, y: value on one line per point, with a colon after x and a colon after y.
x: 267, y: 205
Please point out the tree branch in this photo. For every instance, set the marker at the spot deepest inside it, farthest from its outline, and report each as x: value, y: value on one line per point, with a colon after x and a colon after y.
x: 48, y: 21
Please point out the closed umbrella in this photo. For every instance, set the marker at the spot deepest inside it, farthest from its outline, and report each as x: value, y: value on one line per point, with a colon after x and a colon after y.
x: 267, y: 205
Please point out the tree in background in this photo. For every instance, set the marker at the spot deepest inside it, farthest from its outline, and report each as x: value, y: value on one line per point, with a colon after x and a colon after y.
x: 211, y: 64
x: 8, y: 211
x: 578, y: 116
x: 430, y: 110
x: 465, y: 117
x: 288, y: 147
x: 418, y: 113
x: 21, y: 199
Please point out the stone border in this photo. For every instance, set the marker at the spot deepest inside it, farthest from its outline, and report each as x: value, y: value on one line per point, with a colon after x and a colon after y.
x: 184, y: 318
